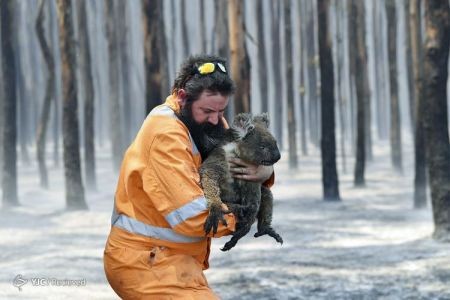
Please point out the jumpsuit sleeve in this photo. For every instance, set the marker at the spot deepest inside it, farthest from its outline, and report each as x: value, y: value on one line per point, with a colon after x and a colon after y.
x: 172, y: 181
x: 269, y: 182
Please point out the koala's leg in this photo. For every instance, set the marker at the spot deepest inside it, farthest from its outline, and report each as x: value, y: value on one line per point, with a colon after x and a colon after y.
x: 237, y: 235
x: 247, y: 201
x: 211, y: 189
x: 265, y: 216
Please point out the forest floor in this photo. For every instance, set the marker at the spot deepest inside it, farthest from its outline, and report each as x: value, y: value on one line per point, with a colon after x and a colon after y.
x: 371, y: 245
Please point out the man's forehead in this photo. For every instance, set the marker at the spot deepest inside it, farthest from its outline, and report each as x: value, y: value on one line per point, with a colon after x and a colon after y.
x: 212, y: 101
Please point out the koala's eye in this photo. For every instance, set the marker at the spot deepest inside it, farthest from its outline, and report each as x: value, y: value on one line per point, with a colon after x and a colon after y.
x: 262, y: 147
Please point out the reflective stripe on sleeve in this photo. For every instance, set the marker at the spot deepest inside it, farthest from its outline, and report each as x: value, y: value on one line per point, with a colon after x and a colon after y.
x: 162, y: 110
x: 161, y: 233
x: 194, y: 146
x: 187, y: 211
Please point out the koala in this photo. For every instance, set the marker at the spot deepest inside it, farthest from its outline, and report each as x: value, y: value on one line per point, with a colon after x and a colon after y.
x: 250, y: 140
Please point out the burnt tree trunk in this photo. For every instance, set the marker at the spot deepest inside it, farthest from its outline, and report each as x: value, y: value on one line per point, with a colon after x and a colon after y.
x: 221, y: 28
x: 88, y: 83
x: 420, y: 180
x: 276, y: 69
x: 23, y: 92
x: 1, y: 110
x: 409, y: 64
x: 437, y: 16
x: 164, y: 56
x: 312, y: 76
x: 395, y: 136
x: 328, y: 140
x: 124, y: 63
x: 358, y: 28
x: 49, y: 95
x: 9, y: 174
x: 380, y: 78
x: 184, y: 27
x: 302, y: 56
x: 203, y: 27
x: 262, y: 60
x: 352, y: 54
x: 340, y: 27
x: 173, y: 21
x: 262, y: 65
x: 240, y: 62
x: 152, y: 53
x: 57, y: 92
x: 74, y: 186
x: 114, y: 81
x: 290, y: 87
x: 377, y: 85
x: 221, y: 39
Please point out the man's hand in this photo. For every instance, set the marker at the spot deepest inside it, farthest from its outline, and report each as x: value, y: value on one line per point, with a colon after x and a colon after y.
x: 242, y: 170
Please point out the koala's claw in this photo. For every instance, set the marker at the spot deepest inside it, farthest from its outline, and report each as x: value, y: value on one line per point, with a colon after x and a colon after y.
x: 271, y: 232
x: 228, y: 245
x: 212, y: 222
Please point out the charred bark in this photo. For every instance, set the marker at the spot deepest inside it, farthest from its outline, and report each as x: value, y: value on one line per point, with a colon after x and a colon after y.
x: 240, y: 62
x: 202, y: 27
x: 115, y: 120
x: 395, y: 135
x: 312, y: 76
x: 9, y: 174
x: 221, y: 38
x: 152, y: 53
x: 276, y: 69
x: 328, y: 140
x: 124, y: 63
x: 437, y: 16
x: 362, y: 85
x: 290, y: 87
x: 49, y: 95
x: 221, y: 28
x: 184, y: 27
x: 340, y: 27
x: 420, y: 183
x: 409, y: 64
x: 262, y: 60
x: 89, y: 109
x: 72, y: 170
x: 303, y: 59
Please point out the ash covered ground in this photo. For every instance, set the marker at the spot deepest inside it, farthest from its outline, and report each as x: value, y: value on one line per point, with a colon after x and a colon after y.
x: 371, y: 245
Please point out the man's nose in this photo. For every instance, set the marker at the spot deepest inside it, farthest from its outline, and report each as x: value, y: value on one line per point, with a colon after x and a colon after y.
x: 213, y: 119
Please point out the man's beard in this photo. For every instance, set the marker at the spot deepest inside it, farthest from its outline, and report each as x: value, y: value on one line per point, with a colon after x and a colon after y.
x: 206, y: 136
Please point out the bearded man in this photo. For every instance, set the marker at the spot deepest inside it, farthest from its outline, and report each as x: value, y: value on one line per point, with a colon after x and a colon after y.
x: 157, y: 248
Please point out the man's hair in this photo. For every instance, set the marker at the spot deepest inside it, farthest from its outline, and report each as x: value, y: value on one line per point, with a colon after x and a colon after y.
x: 194, y: 83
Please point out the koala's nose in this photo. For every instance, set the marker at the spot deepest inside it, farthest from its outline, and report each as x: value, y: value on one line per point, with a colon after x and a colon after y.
x: 277, y: 155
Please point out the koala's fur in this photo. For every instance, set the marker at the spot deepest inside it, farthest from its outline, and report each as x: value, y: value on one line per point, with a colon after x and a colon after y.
x: 250, y: 140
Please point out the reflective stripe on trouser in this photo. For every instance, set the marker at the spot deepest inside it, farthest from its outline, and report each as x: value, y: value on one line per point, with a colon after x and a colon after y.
x: 155, y: 273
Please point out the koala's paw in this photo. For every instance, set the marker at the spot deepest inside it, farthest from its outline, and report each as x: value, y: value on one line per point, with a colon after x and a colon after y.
x: 269, y: 231
x: 212, y: 222
x: 228, y: 245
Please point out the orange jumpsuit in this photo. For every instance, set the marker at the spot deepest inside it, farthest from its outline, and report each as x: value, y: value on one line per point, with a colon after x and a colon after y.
x: 157, y: 247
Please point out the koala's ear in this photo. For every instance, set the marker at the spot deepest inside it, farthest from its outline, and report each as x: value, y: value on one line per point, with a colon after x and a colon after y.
x: 262, y: 119
x: 243, y: 124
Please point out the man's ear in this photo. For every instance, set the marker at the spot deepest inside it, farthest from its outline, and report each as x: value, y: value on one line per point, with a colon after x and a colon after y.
x: 243, y: 124
x: 262, y: 119
x: 181, y: 97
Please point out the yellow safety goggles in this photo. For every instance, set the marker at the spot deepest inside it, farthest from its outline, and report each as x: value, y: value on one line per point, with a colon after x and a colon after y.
x: 211, y: 67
